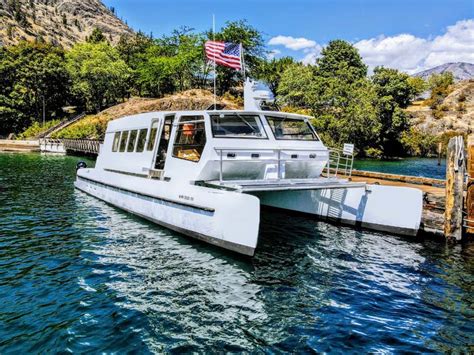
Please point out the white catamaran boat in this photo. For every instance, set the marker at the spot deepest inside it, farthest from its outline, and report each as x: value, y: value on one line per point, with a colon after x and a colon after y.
x: 206, y: 174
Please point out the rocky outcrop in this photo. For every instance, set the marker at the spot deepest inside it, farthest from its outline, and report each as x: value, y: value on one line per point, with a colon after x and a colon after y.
x: 62, y: 22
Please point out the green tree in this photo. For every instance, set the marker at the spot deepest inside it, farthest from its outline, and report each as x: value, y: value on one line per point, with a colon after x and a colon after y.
x: 271, y: 71
x: 133, y: 49
x: 340, y: 97
x: 172, y: 63
x: 294, y: 86
x: 97, y: 36
x: 440, y: 86
x: 394, y: 93
x: 340, y: 59
x: 100, y: 77
x: 29, y: 74
x: 419, y: 85
x: 254, y: 50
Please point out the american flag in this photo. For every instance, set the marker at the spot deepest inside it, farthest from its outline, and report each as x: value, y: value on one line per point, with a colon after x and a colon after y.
x: 224, y: 53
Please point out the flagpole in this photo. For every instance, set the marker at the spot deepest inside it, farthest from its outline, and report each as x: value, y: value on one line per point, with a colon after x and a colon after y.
x: 242, y: 59
x: 215, y: 72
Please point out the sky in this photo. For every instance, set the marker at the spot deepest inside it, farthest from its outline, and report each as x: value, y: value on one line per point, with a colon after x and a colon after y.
x: 410, y: 35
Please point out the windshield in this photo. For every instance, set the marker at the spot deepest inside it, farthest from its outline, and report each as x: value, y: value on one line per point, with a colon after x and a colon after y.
x: 291, y: 129
x: 237, y: 126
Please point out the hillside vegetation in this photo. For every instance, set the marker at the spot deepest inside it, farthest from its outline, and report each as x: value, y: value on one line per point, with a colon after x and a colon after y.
x: 60, y: 22
x: 454, y: 113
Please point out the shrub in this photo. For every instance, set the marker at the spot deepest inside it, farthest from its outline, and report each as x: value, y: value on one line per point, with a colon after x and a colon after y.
x: 419, y: 143
x: 36, y: 129
x: 438, y: 114
x: 373, y: 153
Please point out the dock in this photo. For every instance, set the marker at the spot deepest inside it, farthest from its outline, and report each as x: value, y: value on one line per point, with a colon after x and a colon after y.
x: 10, y: 145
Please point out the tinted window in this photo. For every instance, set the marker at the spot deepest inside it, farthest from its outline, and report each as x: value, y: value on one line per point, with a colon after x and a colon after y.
x: 115, y: 145
x: 152, y: 139
x: 237, y: 126
x: 123, y: 141
x: 132, y: 140
x: 141, y: 140
x: 190, y: 140
x: 291, y: 129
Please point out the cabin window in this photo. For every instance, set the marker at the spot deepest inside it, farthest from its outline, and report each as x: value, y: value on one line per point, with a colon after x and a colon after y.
x: 115, y: 145
x: 237, y: 126
x: 291, y: 129
x: 153, y: 133
x: 123, y: 141
x: 190, y: 138
x: 141, y: 140
x: 132, y: 140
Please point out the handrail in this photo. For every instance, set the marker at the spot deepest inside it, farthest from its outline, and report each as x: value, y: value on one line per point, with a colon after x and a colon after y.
x: 90, y: 146
x: 337, y: 159
x: 61, y: 125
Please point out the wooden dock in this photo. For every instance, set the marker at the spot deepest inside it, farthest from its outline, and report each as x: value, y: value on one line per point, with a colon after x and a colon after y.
x: 9, y: 145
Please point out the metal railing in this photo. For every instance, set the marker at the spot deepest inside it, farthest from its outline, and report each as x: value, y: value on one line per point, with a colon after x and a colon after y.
x: 61, y: 125
x: 337, y: 161
x: 89, y: 146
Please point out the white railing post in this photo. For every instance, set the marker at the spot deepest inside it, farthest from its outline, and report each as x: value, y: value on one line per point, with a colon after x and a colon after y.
x: 220, y: 169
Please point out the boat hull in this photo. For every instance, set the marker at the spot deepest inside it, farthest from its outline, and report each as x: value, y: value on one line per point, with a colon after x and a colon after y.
x: 226, y: 219
x: 391, y: 209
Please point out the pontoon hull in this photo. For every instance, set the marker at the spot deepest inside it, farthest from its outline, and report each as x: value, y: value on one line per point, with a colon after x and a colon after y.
x: 385, y: 208
x: 226, y: 219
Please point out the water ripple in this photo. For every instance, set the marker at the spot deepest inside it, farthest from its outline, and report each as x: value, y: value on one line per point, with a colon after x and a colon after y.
x: 78, y: 275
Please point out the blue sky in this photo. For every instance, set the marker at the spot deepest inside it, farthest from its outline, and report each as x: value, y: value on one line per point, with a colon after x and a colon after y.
x: 302, y: 27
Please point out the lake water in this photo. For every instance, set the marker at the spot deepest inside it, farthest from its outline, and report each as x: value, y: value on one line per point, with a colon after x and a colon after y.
x: 427, y: 167
x: 77, y: 275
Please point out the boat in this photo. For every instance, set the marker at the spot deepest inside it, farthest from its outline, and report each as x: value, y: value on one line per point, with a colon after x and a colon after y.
x: 207, y: 173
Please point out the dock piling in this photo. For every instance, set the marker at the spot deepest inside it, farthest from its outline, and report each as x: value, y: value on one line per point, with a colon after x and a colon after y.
x: 470, y: 186
x: 455, y: 171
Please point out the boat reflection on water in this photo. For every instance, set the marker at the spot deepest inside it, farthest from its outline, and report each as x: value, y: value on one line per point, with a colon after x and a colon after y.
x: 311, y: 286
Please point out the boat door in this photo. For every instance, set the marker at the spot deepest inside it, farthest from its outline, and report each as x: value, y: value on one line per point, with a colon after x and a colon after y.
x: 163, y: 143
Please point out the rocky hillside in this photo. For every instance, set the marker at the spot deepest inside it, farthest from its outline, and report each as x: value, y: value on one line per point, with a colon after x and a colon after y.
x: 456, y: 113
x: 461, y: 71
x: 62, y: 22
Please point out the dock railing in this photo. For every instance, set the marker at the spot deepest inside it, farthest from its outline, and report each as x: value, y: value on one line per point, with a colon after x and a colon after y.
x: 79, y: 145
x: 89, y: 146
x: 338, y: 161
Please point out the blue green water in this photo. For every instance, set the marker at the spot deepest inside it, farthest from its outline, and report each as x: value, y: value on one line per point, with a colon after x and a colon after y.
x: 77, y: 275
x: 427, y: 167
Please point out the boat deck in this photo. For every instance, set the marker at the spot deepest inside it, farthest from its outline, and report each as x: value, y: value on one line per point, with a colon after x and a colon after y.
x: 284, y: 184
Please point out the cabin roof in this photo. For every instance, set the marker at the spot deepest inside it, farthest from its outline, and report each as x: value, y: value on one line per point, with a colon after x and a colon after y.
x: 142, y: 120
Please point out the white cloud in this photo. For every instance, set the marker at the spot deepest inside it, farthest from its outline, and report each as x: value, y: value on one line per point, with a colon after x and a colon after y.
x: 292, y: 42
x: 411, y: 54
x: 311, y: 54
x: 405, y: 51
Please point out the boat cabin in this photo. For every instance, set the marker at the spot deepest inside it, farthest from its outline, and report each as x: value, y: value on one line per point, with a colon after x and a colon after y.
x: 214, y: 146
